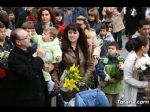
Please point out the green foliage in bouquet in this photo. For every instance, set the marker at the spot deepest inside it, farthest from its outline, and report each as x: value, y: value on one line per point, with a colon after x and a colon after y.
x: 114, y: 72
x: 106, y: 59
x: 4, y: 57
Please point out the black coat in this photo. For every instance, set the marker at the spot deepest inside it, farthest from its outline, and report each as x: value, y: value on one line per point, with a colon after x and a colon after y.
x: 21, y: 19
x: 25, y: 79
x: 95, y: 26
x: 132, y: 21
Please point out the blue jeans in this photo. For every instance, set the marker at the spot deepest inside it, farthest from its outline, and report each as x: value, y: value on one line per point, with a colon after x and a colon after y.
x: 118, y: 38
x: 50, y: 85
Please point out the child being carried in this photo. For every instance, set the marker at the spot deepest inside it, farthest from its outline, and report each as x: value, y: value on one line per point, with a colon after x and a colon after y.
x: 51, y: 45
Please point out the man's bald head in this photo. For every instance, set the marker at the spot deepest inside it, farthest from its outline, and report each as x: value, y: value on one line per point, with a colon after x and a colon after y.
x: 16, y: 34
x: 21, y: 38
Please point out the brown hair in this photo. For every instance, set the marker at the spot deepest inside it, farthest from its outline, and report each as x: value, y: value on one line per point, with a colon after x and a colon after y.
x: 95, y: 13
x: 85, y: 21
x: 28, y: 25
x: 114, y: 43
x: 50, y: 12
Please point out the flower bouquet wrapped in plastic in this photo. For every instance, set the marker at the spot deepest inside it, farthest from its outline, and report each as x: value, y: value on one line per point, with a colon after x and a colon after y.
x: 71, y: 81
x: 3, y: 57
x: 3, y: 63
x: 142, y: 66
x: 115, y: 70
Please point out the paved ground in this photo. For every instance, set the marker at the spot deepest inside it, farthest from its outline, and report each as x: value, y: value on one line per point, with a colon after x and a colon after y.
x: 124, y: 52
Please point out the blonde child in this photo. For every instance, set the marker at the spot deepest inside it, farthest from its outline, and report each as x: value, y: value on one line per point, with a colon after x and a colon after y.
x: 49, y: 41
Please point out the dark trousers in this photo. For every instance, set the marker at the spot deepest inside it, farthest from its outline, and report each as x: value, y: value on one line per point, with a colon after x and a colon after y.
x: 118, y: 38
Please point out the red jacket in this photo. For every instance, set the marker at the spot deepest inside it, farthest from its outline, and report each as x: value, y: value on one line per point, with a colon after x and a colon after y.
x: 60, y: 26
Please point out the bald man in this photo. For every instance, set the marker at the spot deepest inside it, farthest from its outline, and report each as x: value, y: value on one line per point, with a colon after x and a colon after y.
x: 28, y: 87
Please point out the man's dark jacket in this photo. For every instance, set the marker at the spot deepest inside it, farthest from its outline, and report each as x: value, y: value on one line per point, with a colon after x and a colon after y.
x: 26, y: 83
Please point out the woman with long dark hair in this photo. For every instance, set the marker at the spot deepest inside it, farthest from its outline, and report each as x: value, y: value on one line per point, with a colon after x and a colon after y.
x: 75, y: 50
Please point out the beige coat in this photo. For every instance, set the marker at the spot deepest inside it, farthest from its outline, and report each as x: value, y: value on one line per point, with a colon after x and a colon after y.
x: 117, y: 21
x: 107, y: 18
x: 94, y: 45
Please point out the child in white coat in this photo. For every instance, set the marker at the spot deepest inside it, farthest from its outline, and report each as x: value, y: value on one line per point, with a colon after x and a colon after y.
x: 51, y: 44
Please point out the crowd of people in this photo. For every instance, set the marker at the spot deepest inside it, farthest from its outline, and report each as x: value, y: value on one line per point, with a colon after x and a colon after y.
x: 43, y: 42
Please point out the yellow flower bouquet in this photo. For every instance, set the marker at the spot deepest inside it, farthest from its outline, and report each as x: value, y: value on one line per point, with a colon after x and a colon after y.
x: 71, y: 79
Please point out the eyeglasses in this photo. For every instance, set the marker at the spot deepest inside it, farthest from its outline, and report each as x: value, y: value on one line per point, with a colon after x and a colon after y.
x: 25, y: 38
